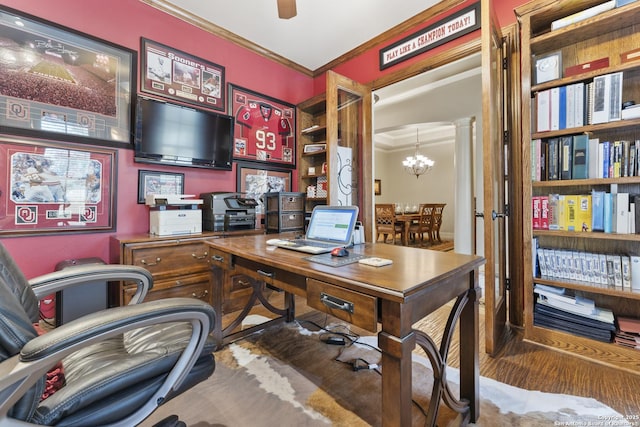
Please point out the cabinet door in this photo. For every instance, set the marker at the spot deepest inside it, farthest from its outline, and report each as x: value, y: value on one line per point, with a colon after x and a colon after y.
x: 349, y: 146
x: 494, y: 154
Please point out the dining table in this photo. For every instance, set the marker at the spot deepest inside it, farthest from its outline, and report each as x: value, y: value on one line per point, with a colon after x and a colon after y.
x: 406, y: 218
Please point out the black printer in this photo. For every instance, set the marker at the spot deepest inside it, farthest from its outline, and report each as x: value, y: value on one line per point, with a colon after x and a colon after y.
x: 228, y: 211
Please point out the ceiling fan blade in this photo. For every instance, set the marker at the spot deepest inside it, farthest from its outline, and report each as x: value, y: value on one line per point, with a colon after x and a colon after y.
x: 287, y: 9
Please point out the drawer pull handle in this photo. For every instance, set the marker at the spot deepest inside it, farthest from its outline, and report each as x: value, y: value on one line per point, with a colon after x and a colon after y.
x: 199, y: 257
x: 337, y: 303
x: 201, y: 296
x: 150, y: 264
x: 217, y: 258
x: 265, y: 274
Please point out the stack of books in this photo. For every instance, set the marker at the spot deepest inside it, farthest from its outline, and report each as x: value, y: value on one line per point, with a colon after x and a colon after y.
x: 576, y: 315
x: 628, y: 333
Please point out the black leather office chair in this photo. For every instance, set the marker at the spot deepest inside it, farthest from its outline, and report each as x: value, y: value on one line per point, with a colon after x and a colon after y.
x: 119, y: 364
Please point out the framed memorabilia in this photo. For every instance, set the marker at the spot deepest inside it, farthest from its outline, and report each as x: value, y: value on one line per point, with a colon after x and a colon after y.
x: 377, y: 187
x: 151, y: 182
x: 174, y: 74
x: 253, y: 181
x: 62, y: 84
x: 547, y: 67
x: 264, y: 128
x: 52, y: 187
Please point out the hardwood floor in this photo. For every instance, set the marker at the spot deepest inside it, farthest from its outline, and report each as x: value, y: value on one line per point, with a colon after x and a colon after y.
x: 534, y: 367
x: 529, y: 366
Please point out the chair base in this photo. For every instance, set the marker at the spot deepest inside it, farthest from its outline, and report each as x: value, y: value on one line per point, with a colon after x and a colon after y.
x: 170, y: 421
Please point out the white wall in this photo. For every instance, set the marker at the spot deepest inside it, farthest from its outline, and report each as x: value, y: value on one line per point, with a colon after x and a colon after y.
x: 436, y: 186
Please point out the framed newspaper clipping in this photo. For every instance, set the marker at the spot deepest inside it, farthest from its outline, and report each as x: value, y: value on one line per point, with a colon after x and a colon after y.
x: 62, y: 84
x: 174, y: 74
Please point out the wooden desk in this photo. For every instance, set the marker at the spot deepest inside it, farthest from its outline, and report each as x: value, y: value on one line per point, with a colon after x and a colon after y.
x: 407, y: 219
x: 418, y: 282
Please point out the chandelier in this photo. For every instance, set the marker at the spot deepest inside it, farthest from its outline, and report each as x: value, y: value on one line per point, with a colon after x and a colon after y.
x: 417, y: 164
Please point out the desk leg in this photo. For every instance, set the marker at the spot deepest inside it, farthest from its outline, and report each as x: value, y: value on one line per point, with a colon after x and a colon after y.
x: 217, y: 281
x: 470, y: 350
x: 396, y: 366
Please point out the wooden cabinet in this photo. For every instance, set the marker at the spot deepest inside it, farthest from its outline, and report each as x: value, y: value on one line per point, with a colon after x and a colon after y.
x: 180, y: 265
x: 606, y: 35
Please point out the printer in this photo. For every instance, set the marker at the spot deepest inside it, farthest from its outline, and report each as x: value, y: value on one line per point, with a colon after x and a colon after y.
x: 174, y: 214
x: 228, y: 211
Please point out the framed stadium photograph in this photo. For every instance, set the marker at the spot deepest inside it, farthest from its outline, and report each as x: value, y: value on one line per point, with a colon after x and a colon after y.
x: 52, y: 187
x: 154, y: 182
x: 264, y: 128
x: 62, y: 84
x: 173, y: 74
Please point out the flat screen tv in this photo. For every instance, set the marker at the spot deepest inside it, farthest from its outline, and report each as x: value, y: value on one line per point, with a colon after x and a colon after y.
x: 176, y: 135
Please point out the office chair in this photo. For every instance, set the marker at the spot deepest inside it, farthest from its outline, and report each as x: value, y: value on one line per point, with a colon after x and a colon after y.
x: 118, y: 364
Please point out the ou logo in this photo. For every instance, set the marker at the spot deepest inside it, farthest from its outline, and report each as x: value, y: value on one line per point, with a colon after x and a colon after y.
x: 26, y: 214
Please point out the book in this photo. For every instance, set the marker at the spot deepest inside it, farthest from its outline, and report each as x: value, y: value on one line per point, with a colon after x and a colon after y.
x: 543, y: 109
x: 535, y: 214
x: 608, y: 213
x: 597, y: 210
x: 579, y: 104
x: 544, y: 212
x: 634, y: 260
x: 553, y: 159
x: 580, y: 156
x: 566, y: 157
x: 615, y: 96
x: 556, y: 212
x: 621, y: 205
x: 582, y: 15
x: 562, y: 107
x: 603, y: 155
x: 555, y: 108
x: 584, y: 213
x: 571, y: 212
x: 592, y: 158
x: 626, y: 271
x: 601, y: 99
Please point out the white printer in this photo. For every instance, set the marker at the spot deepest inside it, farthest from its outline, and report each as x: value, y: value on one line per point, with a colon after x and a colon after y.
x: 174, y: 214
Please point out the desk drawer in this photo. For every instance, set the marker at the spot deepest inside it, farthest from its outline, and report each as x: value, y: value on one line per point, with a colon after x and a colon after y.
x: 358, y: 309
x: 191, y: 286
x: 172, y: 260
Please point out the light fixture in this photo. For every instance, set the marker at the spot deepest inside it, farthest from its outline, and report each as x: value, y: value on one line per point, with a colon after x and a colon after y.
x: 417, y: 164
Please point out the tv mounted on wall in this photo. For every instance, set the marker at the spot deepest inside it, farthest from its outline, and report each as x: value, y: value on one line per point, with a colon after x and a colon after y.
x: 173, y: 134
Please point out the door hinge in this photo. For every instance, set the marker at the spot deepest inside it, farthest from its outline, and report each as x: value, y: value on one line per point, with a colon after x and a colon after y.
x: 505, y: 64
x: 505, y: 137
x: 507, y: 284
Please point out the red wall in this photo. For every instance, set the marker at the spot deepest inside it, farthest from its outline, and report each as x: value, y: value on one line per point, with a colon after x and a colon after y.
x: 124, y: 22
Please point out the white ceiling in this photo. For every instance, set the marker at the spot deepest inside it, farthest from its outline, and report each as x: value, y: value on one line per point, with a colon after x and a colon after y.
x: 324, y: 30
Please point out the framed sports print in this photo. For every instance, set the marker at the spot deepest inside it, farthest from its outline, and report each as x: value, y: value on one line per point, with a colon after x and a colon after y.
x: 152, y: 182
x: 174, y: 74
x: 254, y: 181
x: 62, y: 84
x: 52, y: 187
x: 264, y: 128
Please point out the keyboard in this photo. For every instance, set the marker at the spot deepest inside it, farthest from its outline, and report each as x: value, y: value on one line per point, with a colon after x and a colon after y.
x: 314, y: 243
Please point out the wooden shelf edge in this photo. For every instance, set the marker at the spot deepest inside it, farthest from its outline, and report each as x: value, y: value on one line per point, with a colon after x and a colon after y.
x: 594, y: 288
x: 586, y: 235
x: 607, y: 354
x: 618, y: 124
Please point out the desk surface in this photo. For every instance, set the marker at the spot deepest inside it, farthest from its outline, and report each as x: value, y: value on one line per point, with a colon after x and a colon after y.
x: 413, y: 269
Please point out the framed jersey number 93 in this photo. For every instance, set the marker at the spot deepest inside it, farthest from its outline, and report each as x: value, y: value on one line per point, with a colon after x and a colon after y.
x: 264, y: 127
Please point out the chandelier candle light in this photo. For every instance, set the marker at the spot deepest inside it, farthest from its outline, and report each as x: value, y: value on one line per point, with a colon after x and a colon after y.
x: 417, y: 164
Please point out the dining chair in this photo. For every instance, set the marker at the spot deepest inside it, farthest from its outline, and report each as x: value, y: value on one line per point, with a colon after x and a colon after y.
x: 437, y: 221
x: 424, y: 225
x: 386, y: 223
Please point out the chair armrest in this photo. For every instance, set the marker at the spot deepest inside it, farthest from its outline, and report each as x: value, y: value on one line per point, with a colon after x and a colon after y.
x: 49, y: 283
x: 20, y: 372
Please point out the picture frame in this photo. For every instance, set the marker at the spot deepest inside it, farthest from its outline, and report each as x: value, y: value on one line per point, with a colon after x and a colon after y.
x: 174, y: 74
x: 253, y: 181
x: 155, y: 182
x: 274, y: 141
x: 547, y: 67
x: 377, y: 187
x: 52, y: 187
x: 90, y: 85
